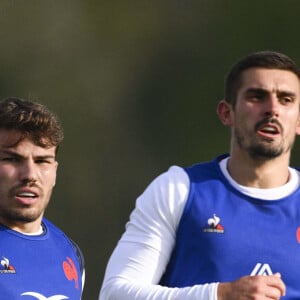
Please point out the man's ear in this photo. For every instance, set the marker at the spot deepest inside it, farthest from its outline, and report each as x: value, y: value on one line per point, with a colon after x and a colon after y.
x: 298, y: 127
x: 224, y: 111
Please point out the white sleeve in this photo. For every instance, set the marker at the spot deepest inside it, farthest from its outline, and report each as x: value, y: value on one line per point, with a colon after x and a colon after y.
x: 142, y: 254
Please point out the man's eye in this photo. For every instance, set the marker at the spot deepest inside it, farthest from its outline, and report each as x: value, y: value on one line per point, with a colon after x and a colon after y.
x: 256, y: 97
x: 42, y: 161
x: 287, y: 99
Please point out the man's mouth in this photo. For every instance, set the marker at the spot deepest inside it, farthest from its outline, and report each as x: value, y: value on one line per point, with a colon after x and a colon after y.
x: 270, y: 129
x: 27, y: 195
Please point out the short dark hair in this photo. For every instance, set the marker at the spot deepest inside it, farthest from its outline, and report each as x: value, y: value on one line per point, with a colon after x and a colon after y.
x: 33, y: 120
x: 261, y: 59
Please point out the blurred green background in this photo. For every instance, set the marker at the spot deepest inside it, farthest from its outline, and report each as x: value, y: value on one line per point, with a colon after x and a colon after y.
x: 135, y: 84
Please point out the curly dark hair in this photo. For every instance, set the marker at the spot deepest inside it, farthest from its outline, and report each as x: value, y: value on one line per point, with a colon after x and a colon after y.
x: 33, y: 120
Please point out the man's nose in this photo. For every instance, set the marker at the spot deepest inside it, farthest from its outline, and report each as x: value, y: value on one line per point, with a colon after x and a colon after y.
x: 28, y: 172
x: 272, y: 106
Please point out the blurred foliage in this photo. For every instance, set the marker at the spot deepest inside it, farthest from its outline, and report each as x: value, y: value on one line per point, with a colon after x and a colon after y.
x: 135, y: 84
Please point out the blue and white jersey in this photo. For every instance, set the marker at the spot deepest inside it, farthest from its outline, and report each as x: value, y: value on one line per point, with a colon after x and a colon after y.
x: 46, y: 266
x: 224, y: 234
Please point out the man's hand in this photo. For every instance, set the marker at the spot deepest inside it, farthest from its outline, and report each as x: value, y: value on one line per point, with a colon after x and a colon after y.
x: 252, y: 287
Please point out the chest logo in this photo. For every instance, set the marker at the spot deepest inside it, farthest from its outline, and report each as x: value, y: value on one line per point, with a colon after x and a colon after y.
x: 70, y: 271
x: 261, y: 269
x: 5, y: 266
x: 214, y: 224
x: 41, y: 297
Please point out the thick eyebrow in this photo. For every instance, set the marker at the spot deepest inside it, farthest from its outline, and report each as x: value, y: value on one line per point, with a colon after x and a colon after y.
x: 262, y: 92
x: 45, y: 157
x: 10, y: 152
x: 286, y: 93
x: 259, y: 91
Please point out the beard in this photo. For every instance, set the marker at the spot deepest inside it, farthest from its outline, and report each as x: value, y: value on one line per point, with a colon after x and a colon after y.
x: 260, y: 150
x: 263, y: 151
x: 21, y: 215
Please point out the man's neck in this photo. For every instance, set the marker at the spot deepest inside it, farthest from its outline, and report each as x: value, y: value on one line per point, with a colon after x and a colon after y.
x: 31, y: 228
x: 257, y: 173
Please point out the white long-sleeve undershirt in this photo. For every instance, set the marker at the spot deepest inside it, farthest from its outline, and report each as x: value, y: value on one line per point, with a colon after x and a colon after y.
x: 143, y: 252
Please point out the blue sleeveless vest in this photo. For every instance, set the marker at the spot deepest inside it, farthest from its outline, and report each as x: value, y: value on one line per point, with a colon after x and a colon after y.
x: 38, y: 267
x: 224, y: 234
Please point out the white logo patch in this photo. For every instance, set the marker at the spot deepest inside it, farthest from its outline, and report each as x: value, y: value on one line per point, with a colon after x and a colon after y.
x: 41, y: 297
x: 261, y: 269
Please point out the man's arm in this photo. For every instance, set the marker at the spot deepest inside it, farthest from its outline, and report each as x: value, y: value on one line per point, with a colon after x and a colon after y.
x: 142, y: 254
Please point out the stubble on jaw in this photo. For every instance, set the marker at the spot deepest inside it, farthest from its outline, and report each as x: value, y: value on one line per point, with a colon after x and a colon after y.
x: 257, y: 150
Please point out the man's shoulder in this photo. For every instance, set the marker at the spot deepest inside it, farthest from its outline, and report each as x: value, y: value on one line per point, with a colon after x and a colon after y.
x: 205, y: 169
x: 49, y: 226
